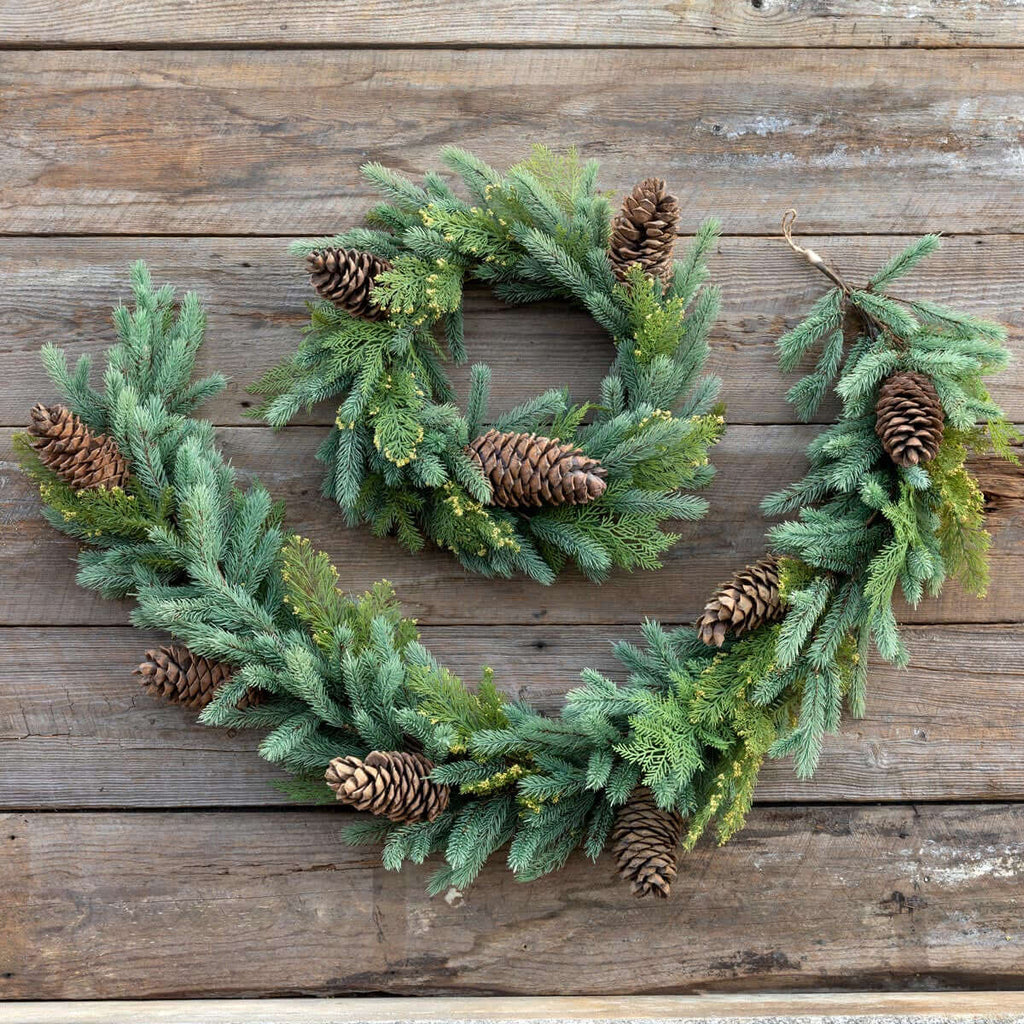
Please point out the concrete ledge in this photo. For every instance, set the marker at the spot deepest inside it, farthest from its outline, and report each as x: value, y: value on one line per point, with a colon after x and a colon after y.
x: 809, y: 1008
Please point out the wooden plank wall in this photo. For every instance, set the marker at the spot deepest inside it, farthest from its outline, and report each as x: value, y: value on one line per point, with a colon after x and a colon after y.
x: 142, y: 856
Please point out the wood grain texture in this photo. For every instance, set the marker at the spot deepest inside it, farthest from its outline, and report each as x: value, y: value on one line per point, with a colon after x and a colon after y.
x: 107, y: 905
x: 747, y: 107
x: 946, y: 729
x: 256, y: 298
x: 267, y: 141
x: 657, y: 23
x: 37, y: 584
x: 716, y: 1008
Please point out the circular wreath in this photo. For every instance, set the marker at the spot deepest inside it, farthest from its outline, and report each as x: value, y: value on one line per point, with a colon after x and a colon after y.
x: 546, y: 483
x: 357, y: 710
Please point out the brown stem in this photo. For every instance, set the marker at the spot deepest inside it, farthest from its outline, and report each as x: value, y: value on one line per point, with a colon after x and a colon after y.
x: 788, y: 220
x: 871, y: 323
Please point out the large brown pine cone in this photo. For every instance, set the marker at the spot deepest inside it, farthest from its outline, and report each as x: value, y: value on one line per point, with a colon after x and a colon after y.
x: 345, y: 277
x: 176, y: 674
x: 644, y: 843
x: 644, y: 231
x: 67, y: 446
x: 909, y: 418
x: 750, y: 599
x: 527, y: 470
x: 392, y: 783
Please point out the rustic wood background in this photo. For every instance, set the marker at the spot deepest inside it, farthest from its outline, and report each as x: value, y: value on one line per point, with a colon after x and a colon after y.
x: 142, y: 856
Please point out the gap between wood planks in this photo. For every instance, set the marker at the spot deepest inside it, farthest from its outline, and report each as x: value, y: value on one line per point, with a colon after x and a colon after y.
x: 290, y: 236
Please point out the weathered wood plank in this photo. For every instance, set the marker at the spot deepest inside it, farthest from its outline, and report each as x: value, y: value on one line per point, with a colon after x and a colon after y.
x: 265, y: 141
x: 661, y: 23
x: 944, y: 730
x: 256, y: 294
x: 37, y: 578
x: 107, y: 905
x: 715, y: 1008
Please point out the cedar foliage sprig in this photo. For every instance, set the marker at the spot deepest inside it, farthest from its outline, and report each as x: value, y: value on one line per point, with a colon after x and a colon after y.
x: 396, y: 455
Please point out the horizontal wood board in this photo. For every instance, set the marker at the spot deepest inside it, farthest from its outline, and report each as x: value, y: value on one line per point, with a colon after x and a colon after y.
x: 946, y: 729
x: 37, y: 585
x: 627, y: 23
x: 101, y: 905
x: 270, y: 141
x: 256, y: 296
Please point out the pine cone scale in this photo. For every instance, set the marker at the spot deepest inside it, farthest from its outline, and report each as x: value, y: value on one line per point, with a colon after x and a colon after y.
x: 526, y: 470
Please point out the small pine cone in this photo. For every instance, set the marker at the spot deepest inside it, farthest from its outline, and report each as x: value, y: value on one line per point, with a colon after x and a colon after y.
x: 909, y: 418
x: 525, y: 470
x: 644, y: 843
x: 345, y: 277
x: 176, y: 674
x: 69, y: 448
x: 644, y: 231
x: 750, y: 599
x: 391, y: 783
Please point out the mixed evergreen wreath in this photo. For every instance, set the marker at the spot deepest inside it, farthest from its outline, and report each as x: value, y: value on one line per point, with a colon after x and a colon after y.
x: 534, y: 487
x: 356, y: 709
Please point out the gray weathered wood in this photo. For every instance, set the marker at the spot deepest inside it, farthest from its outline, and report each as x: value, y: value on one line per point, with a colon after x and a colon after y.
x: 265, y: 141
x: 37, y: 579
x: 783, y: 1008
x: 335, y: 23
x: 96, y: 903
x: 256, y: 296
x: 947, y: 729
x: 106, y: 905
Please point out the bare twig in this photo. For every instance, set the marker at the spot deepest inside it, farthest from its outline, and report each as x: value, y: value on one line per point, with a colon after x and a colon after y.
x: 872, y: 324
x: 788, y: 220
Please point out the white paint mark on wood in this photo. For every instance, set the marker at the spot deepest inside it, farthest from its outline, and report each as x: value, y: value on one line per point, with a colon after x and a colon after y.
x: 761, y: 126
x: 949, y: 866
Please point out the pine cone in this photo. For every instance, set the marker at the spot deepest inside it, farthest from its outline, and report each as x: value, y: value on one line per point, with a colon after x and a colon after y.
x: 750, y: 599
x: 644, y: 231
x: 525, y: 470
x: 345, y: 277
x: 644, y: 841
x: 67, y: 446
x: 392, y: 783
x: 176, y: 674
x: 909, y: 418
